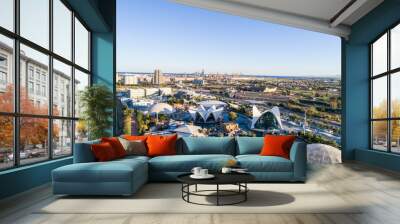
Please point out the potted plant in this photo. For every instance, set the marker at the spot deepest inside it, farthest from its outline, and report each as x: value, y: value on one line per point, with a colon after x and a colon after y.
x: 97, y: 102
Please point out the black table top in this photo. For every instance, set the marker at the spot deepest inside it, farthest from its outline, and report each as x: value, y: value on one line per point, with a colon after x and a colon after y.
x: 220, y: 178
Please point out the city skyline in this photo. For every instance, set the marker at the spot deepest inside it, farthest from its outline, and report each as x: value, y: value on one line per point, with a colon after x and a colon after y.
x: 189, y: 39
x: 235, y: 73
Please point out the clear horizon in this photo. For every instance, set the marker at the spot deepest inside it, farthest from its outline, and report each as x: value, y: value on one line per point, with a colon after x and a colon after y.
x: 261, y: 75
x: 177, y: 38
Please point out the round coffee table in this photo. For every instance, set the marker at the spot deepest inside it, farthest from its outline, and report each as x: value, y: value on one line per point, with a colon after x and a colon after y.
x: 238, y: 179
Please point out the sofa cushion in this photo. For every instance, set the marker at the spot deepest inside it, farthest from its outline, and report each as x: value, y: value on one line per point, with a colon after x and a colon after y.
x: 277, y: 145
x: 206, y: 145
x: 257, y: 163
x: 112, y: 171
x: 249, y: 145
x: 161, y: 145
x: 103, y: 152
x: 185, y: 163
x: 134, y: 147
x: 93, y: 172
x: 133, y: 158
x: 116, y: 145
x: 135, y: 137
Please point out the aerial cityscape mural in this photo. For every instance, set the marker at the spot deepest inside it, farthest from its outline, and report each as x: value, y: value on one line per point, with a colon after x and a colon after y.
x: 206, y: 104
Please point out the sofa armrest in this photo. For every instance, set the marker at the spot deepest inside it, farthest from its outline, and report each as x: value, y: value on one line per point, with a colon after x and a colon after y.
x: 298, y: 155
x: 83, y: 152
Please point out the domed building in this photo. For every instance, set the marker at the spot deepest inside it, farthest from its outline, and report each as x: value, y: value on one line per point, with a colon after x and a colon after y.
x: 212, y: 103
x: 267, y: 120
x: 161, y: 108
x: 209, y: 111
x: 207, y: 115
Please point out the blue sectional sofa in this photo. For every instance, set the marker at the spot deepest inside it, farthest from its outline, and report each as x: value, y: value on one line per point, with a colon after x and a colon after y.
x: 125, y: 176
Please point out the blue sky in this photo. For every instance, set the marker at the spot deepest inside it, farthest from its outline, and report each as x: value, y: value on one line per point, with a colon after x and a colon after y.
x: 159, y: 34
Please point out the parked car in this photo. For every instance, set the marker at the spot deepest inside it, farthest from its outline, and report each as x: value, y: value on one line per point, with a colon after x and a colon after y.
x: 22, y: 155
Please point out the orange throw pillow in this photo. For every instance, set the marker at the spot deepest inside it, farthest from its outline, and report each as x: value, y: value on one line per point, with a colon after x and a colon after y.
x: 103, y: 152
x: 159, y: 145
x: 277, y: 145
x: 135, y: 137
x: 116, y: 145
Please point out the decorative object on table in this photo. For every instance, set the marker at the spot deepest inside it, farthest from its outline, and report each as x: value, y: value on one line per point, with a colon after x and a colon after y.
x: 239, y: 170
x: 203, y: 172
x: 202, y: 177
x: 97, y: 103
x: 229, y: 166
x: 196, y: 170
x: 230, y: 170
x: 200, y: 173
x: 239, y: 195
x: 226, y: 170
x: 231, y: 163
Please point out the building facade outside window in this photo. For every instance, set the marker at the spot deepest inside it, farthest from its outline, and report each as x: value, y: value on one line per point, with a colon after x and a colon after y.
x: 38, y: 89
x: 40, y: 124
x: 3, y: 71
x: 3, y: 61
x: 30, y: 87
x: 31, y: 76
x: 3, y: 78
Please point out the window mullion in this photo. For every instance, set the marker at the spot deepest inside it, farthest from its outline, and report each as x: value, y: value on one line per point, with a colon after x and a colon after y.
x: 372, y: 78
x: 16, y: 85
x: 73, y: 81
x: 89, y: 54
x: 389, y: 104
x: 50, y: 81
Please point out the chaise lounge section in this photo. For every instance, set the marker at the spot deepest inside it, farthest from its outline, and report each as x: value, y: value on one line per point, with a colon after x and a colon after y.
x: 88, y: 177
x: 125, y: 176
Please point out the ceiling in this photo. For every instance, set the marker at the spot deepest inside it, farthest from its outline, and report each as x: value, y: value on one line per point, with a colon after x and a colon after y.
x: 333, y: 17
x: 321, y: 9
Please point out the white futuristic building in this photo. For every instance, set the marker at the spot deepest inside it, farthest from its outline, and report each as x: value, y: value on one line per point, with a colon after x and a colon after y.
x: 161, y: 108
x: 267, y: 120
x: 209, y: 111
x: 210, y: 103
x: 209, y: 115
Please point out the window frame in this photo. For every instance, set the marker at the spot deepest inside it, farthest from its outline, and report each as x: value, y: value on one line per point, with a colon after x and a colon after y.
x: 388, y: 74
x: 16, y: 114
